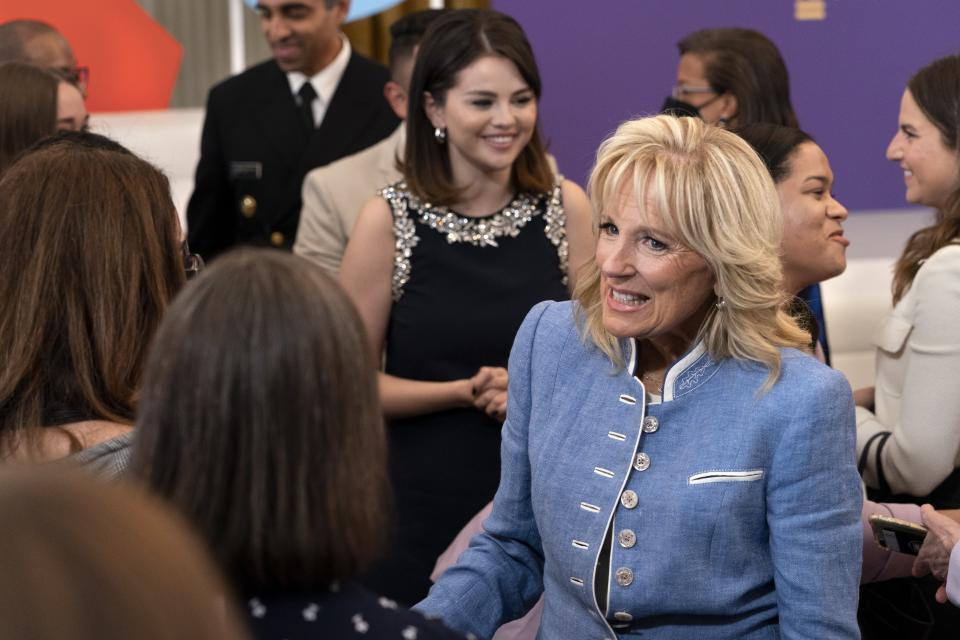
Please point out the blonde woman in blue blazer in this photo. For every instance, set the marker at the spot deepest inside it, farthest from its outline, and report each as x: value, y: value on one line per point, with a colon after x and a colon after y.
x: 674, y: 466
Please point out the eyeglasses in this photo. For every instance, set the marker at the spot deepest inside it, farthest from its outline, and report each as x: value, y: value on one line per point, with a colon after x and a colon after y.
x: 681, y: 91
x: 192, y: 263
x: 77, y: 76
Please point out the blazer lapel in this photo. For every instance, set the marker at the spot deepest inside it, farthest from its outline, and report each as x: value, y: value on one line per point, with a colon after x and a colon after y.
x: 279, y: 123
x: 344, y: 120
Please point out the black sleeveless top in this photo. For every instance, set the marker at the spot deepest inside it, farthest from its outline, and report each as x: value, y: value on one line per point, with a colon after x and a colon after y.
x: 461, y: 288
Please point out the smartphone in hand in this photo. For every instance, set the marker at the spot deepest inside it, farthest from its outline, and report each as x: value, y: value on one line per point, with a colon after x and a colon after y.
x: 897, y: 535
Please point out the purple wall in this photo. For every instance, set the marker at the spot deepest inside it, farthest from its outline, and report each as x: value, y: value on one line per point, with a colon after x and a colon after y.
x: 603, y: 62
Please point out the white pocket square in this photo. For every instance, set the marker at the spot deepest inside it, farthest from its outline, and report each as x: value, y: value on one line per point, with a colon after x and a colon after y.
x: 725, y: 476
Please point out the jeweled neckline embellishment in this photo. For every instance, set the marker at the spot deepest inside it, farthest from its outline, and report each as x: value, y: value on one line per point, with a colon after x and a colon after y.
x: 480, y: 232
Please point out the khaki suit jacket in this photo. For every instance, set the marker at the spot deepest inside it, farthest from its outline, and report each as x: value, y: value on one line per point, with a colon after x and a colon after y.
x: 334, y: 195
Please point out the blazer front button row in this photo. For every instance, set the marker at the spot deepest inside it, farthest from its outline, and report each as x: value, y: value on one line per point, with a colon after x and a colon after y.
x: 642, y: 463
x: 248, y: 206
x: 624, y: 577
x: 629, y: 499
x: 650, y: 424
x: 276, y: 239
x: 627, y: 538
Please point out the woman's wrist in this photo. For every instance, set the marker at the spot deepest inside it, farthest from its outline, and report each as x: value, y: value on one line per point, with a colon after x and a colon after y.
x: 462, y: 391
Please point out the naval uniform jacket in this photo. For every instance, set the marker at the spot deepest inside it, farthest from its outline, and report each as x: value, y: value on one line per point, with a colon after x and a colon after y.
x: 733, y: 514
x: 255, y: 152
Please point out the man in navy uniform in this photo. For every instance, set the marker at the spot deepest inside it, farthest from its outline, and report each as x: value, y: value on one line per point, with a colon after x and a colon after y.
x: 314, y: 102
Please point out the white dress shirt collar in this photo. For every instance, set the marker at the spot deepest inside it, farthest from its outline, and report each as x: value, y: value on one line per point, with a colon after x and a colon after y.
x: 324, y: 82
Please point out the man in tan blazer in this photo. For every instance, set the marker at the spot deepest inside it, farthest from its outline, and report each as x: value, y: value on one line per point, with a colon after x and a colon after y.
x: 334, y: 194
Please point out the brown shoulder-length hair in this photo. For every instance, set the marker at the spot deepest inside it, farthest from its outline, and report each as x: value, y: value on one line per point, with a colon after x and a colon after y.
x: 86, y: 560
x: 452, y: 42
x: 936, y: 90
x: 28, y: 108
x: 89, y: 260
x: 260, y: 421
x: 747, y: 64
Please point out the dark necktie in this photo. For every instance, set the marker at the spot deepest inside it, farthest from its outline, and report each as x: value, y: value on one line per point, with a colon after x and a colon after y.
x: 306, y: 96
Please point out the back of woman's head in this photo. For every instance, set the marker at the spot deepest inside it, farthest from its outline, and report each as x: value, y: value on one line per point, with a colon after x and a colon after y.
x: 28, y: 108
x: 89, y: 260
x: 86, y: 560
x: 260, y: 421
x: 453, y: 42
x: 746, y: 63
x: 774, y: 144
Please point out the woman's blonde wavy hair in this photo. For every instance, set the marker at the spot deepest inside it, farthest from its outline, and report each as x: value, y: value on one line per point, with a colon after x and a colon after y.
x: 715, y: 195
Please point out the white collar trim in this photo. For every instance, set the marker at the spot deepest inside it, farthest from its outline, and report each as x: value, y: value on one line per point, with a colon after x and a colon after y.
x: 326, y: 80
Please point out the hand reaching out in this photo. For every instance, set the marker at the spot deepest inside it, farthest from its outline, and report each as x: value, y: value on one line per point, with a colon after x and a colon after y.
x: 943, y: 534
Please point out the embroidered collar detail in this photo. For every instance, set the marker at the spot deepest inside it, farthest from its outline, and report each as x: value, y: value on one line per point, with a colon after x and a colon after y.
x: 479, y: 232
x: 684, y: 375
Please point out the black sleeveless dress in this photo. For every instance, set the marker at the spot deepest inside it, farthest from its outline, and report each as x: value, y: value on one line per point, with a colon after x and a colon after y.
x: 461, y: 288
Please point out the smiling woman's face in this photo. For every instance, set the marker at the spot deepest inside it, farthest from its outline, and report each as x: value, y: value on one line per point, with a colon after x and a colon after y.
x: 931, y: 170
x: 814, y: 247
x: 651, y: 285
x: 489, y: 115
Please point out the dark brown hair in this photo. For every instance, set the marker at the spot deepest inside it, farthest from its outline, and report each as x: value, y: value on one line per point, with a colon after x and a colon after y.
x: 88, y: 560
x: 936, y: 90
x: 28, y: 108
x: 775, y: 145
x: 260, y: 421
x: 406, y: 33
x: 453, y: 42
x: 89, y: 260
x: 746, y: 63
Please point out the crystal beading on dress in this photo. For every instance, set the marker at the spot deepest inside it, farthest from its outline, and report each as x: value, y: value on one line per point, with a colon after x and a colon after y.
x: 480, y: 232
x: 404, y: 233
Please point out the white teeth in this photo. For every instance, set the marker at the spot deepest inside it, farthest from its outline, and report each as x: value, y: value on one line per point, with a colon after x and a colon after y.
x: 627, y: 298
x: 907, y: 172
x: 500, y: 139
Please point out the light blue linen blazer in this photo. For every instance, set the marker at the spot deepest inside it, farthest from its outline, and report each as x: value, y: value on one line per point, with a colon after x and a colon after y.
x: 746, y: 522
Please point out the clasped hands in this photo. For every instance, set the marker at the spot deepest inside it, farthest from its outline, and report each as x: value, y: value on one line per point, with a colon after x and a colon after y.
x: 489, y: 387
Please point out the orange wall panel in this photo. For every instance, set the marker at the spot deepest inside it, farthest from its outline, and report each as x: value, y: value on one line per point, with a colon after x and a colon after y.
x: 133, y: 61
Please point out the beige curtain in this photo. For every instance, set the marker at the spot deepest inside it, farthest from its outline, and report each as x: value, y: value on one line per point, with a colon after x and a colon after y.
x: 202, y: 27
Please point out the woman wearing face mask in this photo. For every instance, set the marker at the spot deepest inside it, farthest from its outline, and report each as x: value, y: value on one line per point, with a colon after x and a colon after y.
x: 908, y: 435
x: 731, y: 77
x: 444, y: 265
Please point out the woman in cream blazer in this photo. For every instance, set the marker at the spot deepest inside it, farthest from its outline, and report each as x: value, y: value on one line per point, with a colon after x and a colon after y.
x: 908, y: 427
